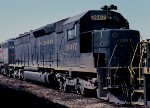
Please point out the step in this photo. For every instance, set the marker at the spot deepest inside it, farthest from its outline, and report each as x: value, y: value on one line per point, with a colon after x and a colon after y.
x: 107, y: 77
x: 141, y: 79
x: 104, y: 98
x: 138, y: 103
x: 105, y: 88
x: 139, y: 91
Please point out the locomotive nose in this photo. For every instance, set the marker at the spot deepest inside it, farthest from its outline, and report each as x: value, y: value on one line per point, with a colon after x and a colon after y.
x: 115, y: 47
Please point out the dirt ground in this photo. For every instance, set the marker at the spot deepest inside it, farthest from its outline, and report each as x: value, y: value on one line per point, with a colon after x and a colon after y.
x: 17, y: 94
x: 17, y: 99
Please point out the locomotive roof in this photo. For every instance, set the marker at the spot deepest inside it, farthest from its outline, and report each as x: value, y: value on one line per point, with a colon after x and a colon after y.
x: 66, y: 23
x: 79, y: 16
x: 75, y: 18
x: 7, y: 41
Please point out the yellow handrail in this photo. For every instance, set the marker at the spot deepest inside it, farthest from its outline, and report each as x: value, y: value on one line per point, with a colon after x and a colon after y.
x: 131, y: 68
x: 142, y: 51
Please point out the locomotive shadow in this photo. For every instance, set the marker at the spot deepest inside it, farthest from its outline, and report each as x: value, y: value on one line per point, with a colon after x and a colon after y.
x: 10, y: 97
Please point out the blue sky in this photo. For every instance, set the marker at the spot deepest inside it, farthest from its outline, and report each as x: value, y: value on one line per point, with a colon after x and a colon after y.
x: 19, y: 16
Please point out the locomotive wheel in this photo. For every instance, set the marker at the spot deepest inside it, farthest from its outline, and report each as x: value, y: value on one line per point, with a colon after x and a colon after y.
x: 3, y: 71
x: 11, y: 73
x: 21, y: 76
x: 15, y: 75
x: 77, y: 89
x: 61, y: 83
x: 56, y: 83
x: 67, y: 89
x: 83, y: 91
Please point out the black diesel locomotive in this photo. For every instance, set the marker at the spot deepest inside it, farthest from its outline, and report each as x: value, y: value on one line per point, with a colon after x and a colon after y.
x: 93, y: 52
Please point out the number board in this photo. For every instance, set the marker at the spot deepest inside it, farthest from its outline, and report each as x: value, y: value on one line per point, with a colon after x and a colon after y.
x: 98, y: 17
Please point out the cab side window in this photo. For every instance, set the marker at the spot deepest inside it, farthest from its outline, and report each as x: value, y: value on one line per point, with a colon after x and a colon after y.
x: 71, y: 33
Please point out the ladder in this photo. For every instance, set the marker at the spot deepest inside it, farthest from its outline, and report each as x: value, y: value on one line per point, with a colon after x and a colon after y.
x: 108, y: 78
